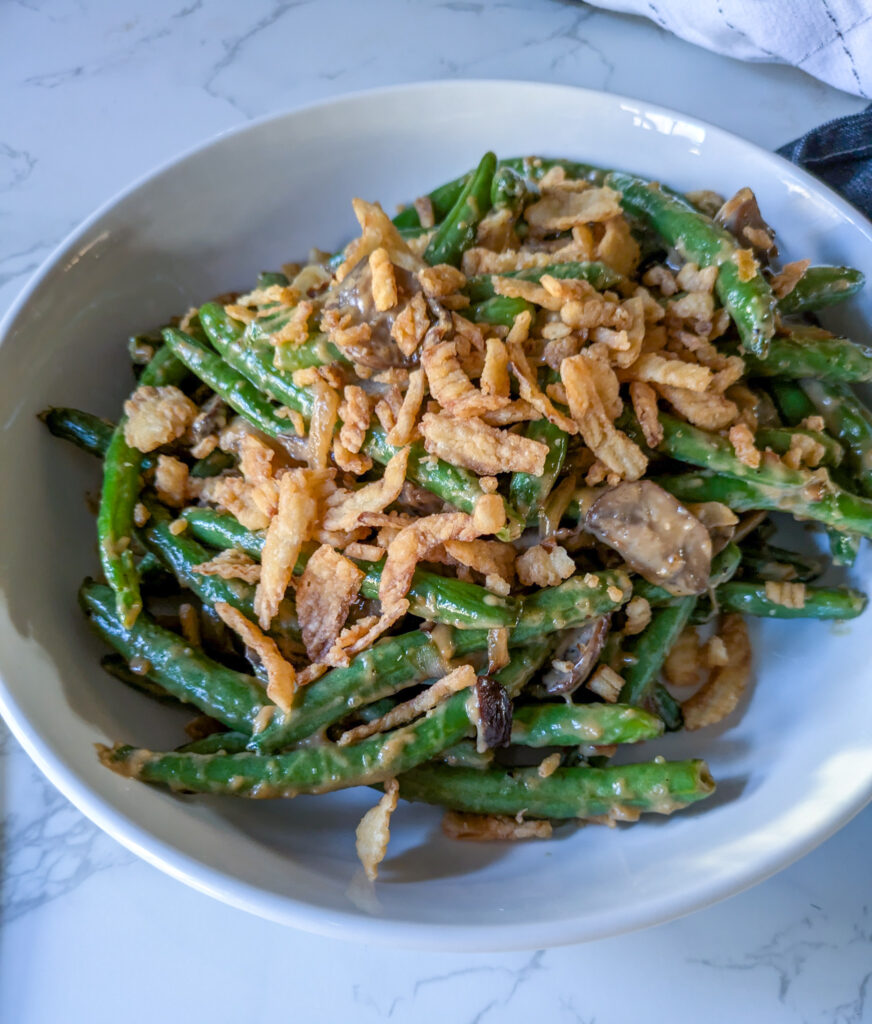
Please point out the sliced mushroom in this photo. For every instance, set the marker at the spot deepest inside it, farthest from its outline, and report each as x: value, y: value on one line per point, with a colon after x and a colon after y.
x: 354, y: 296
x: 575, y: 657
x: 742, y: 218
x: 211, y: 418
x: 494, y: 724
x: 655, y: 535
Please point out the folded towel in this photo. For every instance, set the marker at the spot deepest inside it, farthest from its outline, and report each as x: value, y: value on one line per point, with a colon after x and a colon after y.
x: 830, y: 39
x: 839, y: 153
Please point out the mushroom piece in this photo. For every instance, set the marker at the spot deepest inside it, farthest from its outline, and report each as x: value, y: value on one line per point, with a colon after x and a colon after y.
x: 354, y: 296
x: 576, y: 656
x: 655, y: 535
x: 742, y: 218
x: 494, y: 714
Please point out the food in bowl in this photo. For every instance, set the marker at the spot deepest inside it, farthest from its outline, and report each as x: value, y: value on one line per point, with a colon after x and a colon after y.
x: 478, y: 502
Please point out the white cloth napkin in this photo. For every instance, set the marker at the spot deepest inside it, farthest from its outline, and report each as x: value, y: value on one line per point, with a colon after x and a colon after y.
x: 830, y: 39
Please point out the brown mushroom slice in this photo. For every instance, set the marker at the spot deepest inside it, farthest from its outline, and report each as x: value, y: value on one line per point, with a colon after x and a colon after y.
x: 494, y: 725
x: 655, y: 535
x: 576, y: 656
x: 354, y: 296
x: 742, y: 218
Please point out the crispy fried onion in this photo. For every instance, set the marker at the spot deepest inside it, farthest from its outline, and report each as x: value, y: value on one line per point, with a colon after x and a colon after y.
x: 325, y: 594
x: 708, y: 410
x: 489, y: 557
x: 411, y: 325
x: 656, y: 369
x: 495, y: 374
x: 345, y: 508
x: 384, y: 280
x: 413, y: 544
x: 484, y: 827
x: 606, y: 683
x: 156, y: 416
x: 281, y: 678
x: 403, y: 430
x: 448, y: 382
x: 562, y: 208
x: 486, y: 450
x: 377, y: 231
x: 299, y: 496
x: 355, y: 412
x: 720, y: 695
x: 531, y: 392
x: 592, y: 398
x: 460, y: 678
x: 791, y: 274
x: 541, y: 566
x: 644, y: 399
x: 231, y: 564
x: 324, y: 415
x: 373, y: 832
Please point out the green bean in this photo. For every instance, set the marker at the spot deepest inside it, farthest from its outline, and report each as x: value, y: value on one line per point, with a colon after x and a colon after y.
x: 451, y: 483
x: 480, y: 287
x: 649, y: 649
x: 317, y: 351
x: 397, y: 662
x: 750, y: 303
x: 222, y: 530
x: 241, y: 395
x: 465, y: 754
x: 322, y: 768
x: 122, y: 465
x: 768, y: 562
x: 117, y: 667
x: 185, y: 672
x: 442, y: 199
x: 457, y: 232
x: 793, y: 403
x: 850, y: 422
x: 772, y: 486
x: 836, y: 508
x: 569, y: 725
x: 216, y: 743
x: 510, y: 191
x: 658, y: 786
x: 844, y: 547
x: 528, y: 493
x: 820, y: 287
x: 269, y: 278
x: 667, y: 708
x: 750, y: 598
x: 812, y: 352
x: 254, y: 361
x: 437, y: 598
x: 532, y: 168
x: 182, y: 555
x: 724, y: 566
x: 779, y: 439
x: 499, y: 310
x: 90, y: 433
x: 213, y: 464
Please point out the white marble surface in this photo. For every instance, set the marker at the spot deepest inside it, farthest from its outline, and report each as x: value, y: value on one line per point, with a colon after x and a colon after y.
x: 92, y: 95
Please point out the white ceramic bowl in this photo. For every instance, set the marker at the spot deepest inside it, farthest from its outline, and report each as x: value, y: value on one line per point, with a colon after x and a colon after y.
x: 793, y: 767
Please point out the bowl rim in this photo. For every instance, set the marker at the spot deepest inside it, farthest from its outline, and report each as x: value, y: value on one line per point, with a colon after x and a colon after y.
x: 348, y: 925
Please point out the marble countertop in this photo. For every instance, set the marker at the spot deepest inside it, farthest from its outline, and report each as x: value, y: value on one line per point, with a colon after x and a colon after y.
x: 94, y: 95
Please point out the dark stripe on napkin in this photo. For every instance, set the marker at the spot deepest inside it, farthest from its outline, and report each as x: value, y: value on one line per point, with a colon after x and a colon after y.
x: 840, y: 154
